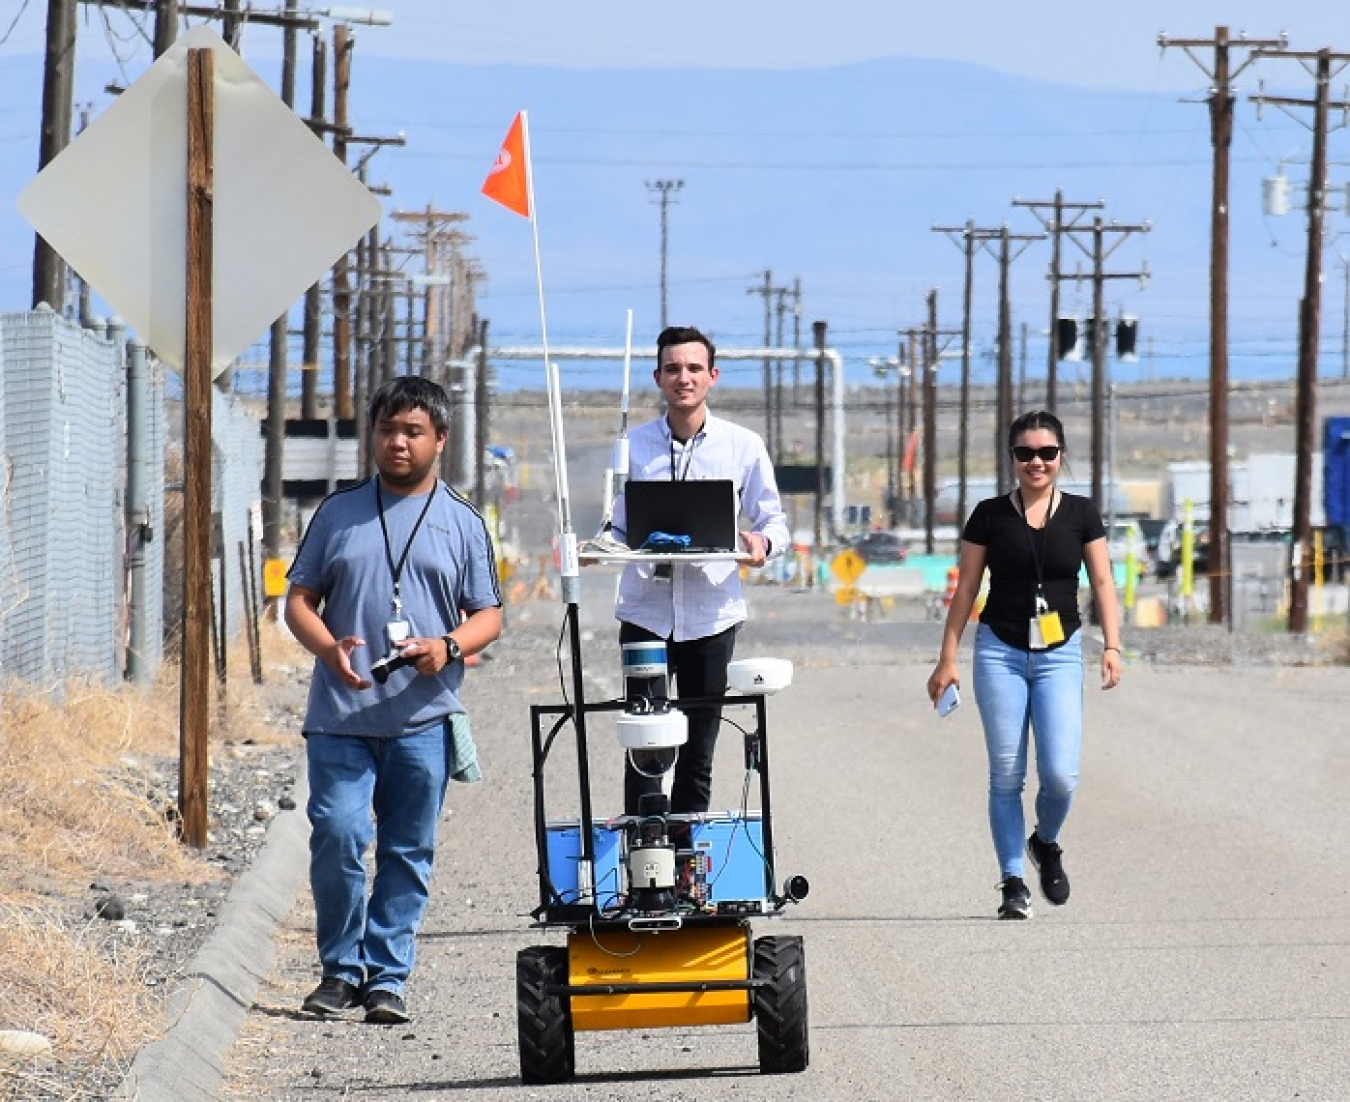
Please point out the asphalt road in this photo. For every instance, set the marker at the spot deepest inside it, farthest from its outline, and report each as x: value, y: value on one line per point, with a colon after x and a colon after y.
x: 1205, y: 953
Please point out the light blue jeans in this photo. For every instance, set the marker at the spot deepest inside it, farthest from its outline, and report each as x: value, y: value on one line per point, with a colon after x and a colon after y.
x: 1019, y: 692
x: 402, y: 781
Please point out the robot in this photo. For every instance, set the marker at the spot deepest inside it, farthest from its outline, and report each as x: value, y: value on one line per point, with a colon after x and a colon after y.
x: 657, y: 907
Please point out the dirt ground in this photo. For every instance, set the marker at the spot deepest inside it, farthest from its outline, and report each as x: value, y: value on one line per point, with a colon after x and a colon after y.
x: 1205, y: 952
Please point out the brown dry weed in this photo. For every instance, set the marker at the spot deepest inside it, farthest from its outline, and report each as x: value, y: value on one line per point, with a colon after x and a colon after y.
x: 79, y: 799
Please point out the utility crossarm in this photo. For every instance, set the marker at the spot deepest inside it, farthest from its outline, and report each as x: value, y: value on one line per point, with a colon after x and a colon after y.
x: 297, y: 21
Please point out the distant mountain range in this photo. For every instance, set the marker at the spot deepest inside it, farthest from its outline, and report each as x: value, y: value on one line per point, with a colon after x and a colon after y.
x: 833, y: 176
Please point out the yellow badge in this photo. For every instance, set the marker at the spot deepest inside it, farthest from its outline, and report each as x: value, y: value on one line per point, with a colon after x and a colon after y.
x: 1052, y: 630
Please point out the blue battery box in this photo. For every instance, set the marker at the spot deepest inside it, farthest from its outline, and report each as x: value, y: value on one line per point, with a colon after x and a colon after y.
x: 731, y: 858
x: 730, y: 865
x: 564, y: 852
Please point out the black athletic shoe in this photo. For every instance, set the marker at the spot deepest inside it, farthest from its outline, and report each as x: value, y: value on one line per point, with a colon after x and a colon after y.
x: 1049, y: 861
x: 1016, y: 899
x: 386, y: 1008
x: 332, y: 996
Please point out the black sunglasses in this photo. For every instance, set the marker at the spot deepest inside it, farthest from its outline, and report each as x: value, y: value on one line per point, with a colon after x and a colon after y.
x: 1047, y: 454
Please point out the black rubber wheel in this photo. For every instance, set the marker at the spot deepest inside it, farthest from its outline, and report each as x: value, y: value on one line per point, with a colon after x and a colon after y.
x: 780, y: 1005
x: 543, y: 1020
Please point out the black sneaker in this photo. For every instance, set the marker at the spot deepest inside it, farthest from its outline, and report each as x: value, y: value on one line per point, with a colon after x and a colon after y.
x: 386, y: 1008
x: 1049, y: 861
x: 1016, y: 899
x: 332, y: 996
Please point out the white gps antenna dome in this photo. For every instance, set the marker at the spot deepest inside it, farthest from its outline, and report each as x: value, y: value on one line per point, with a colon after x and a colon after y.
x: 765, y: 676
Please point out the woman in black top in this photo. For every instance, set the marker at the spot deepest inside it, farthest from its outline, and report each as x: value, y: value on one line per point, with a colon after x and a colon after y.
x: 1028, y: 661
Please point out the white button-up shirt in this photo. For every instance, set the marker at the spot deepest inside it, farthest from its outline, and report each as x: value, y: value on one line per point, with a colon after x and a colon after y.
x: 700, y: 599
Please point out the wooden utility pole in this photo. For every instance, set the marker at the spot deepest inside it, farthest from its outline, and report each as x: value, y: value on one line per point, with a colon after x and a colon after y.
x: 313, y: 319
x: 796, y: 340
x: 231, y: 24
x: 1056, y: 225
x: 274, y: 462
x: 665, y: 190
x: 818, y: 516
x: 194, y: 726
x: 912, y: 411
x: 1221, y: 77
x: 482, y: 415
x: 780, y: 312
x: 440, y: 249
x: 1006, y: 256
x: 1309, y: 324
x: 966, y: 234
x: 342, y: 322
x: 166, y: 25
x: 58, y: 83
x: 1098, y: 328
x: 767, y: 290
x: 972, y: 237
x: 930, y: 450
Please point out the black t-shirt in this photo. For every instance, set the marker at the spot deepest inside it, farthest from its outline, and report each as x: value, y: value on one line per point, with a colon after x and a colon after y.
x: 997, y: 526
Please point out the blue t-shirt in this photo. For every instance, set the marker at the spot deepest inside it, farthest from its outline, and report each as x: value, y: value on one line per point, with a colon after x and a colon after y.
x: 343, y: 557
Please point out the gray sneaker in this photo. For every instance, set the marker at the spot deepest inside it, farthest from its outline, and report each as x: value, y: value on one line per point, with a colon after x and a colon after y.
x: 1016, y: 899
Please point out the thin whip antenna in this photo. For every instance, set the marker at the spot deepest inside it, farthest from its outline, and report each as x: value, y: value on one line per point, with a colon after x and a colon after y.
x: 617, y: 472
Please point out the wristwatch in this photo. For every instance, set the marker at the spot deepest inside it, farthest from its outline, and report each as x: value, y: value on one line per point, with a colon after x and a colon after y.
x: 452, y: 650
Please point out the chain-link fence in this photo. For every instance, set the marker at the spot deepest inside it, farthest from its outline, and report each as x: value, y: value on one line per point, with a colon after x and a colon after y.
x: 88, y: 580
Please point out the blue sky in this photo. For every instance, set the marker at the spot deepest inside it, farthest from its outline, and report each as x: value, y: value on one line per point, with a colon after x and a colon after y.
x: 1091, y: 45
x: 1151, y: 162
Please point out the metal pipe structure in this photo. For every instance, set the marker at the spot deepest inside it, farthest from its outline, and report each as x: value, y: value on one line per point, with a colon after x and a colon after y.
x: 577, y: 352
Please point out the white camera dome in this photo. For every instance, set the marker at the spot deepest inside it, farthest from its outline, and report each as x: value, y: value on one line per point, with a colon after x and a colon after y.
x: 653, y: 730
x: 651, y: 739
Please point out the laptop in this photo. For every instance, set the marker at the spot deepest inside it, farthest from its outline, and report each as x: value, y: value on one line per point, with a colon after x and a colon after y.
x: 705, y: 511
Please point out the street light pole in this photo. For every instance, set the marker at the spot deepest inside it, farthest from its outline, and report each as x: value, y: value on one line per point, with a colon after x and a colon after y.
x: 882, y: 368
x: 665, y: 189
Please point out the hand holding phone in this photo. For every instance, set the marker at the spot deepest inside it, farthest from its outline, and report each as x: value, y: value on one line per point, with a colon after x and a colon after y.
x: 950, y: 700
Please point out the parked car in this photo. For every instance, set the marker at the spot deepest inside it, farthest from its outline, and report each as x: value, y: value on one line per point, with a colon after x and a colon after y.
x: 1168, y: 557
x: 880, y: 547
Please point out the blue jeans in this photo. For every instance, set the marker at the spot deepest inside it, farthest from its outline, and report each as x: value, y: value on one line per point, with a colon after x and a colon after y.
x: 389, y: 790
x: 1019, y: 692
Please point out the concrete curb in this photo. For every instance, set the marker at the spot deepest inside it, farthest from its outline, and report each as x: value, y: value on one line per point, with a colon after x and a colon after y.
x: 204, y: 1016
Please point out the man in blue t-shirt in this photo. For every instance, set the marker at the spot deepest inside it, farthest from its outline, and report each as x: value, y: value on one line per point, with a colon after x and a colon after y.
x: 393, y: 586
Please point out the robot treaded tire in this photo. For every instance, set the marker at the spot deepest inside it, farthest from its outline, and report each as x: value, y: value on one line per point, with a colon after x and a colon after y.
x: 780, y: 1005
x: 543, y: 1020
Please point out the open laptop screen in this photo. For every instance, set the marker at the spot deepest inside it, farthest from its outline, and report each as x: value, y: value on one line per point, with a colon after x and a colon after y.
x: 705, y: 511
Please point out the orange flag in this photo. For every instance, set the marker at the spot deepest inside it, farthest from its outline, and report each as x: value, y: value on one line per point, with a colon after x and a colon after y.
x: 509, y: 181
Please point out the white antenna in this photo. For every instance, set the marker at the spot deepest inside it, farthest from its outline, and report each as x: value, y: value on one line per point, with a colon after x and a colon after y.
x: 616, y: 474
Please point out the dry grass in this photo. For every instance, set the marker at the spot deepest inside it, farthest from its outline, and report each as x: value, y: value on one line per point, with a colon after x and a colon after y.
x: 79, y: 800
x: 73, y: 792
x: 75, y: 983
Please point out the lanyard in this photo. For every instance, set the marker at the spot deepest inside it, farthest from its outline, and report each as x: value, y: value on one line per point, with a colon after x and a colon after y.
x: 1044, y: 529
x: 687, y: 454
x: 396, y: 569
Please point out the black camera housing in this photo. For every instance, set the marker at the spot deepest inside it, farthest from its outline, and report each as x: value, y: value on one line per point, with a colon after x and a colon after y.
x: 381, y: 670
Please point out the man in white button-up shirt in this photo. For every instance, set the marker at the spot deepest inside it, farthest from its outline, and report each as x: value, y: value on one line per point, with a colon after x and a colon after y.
x: 695, y: 608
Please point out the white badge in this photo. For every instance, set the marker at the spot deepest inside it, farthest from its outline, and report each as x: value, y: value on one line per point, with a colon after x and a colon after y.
x: 1035, y: 640
x: 397, y: 632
